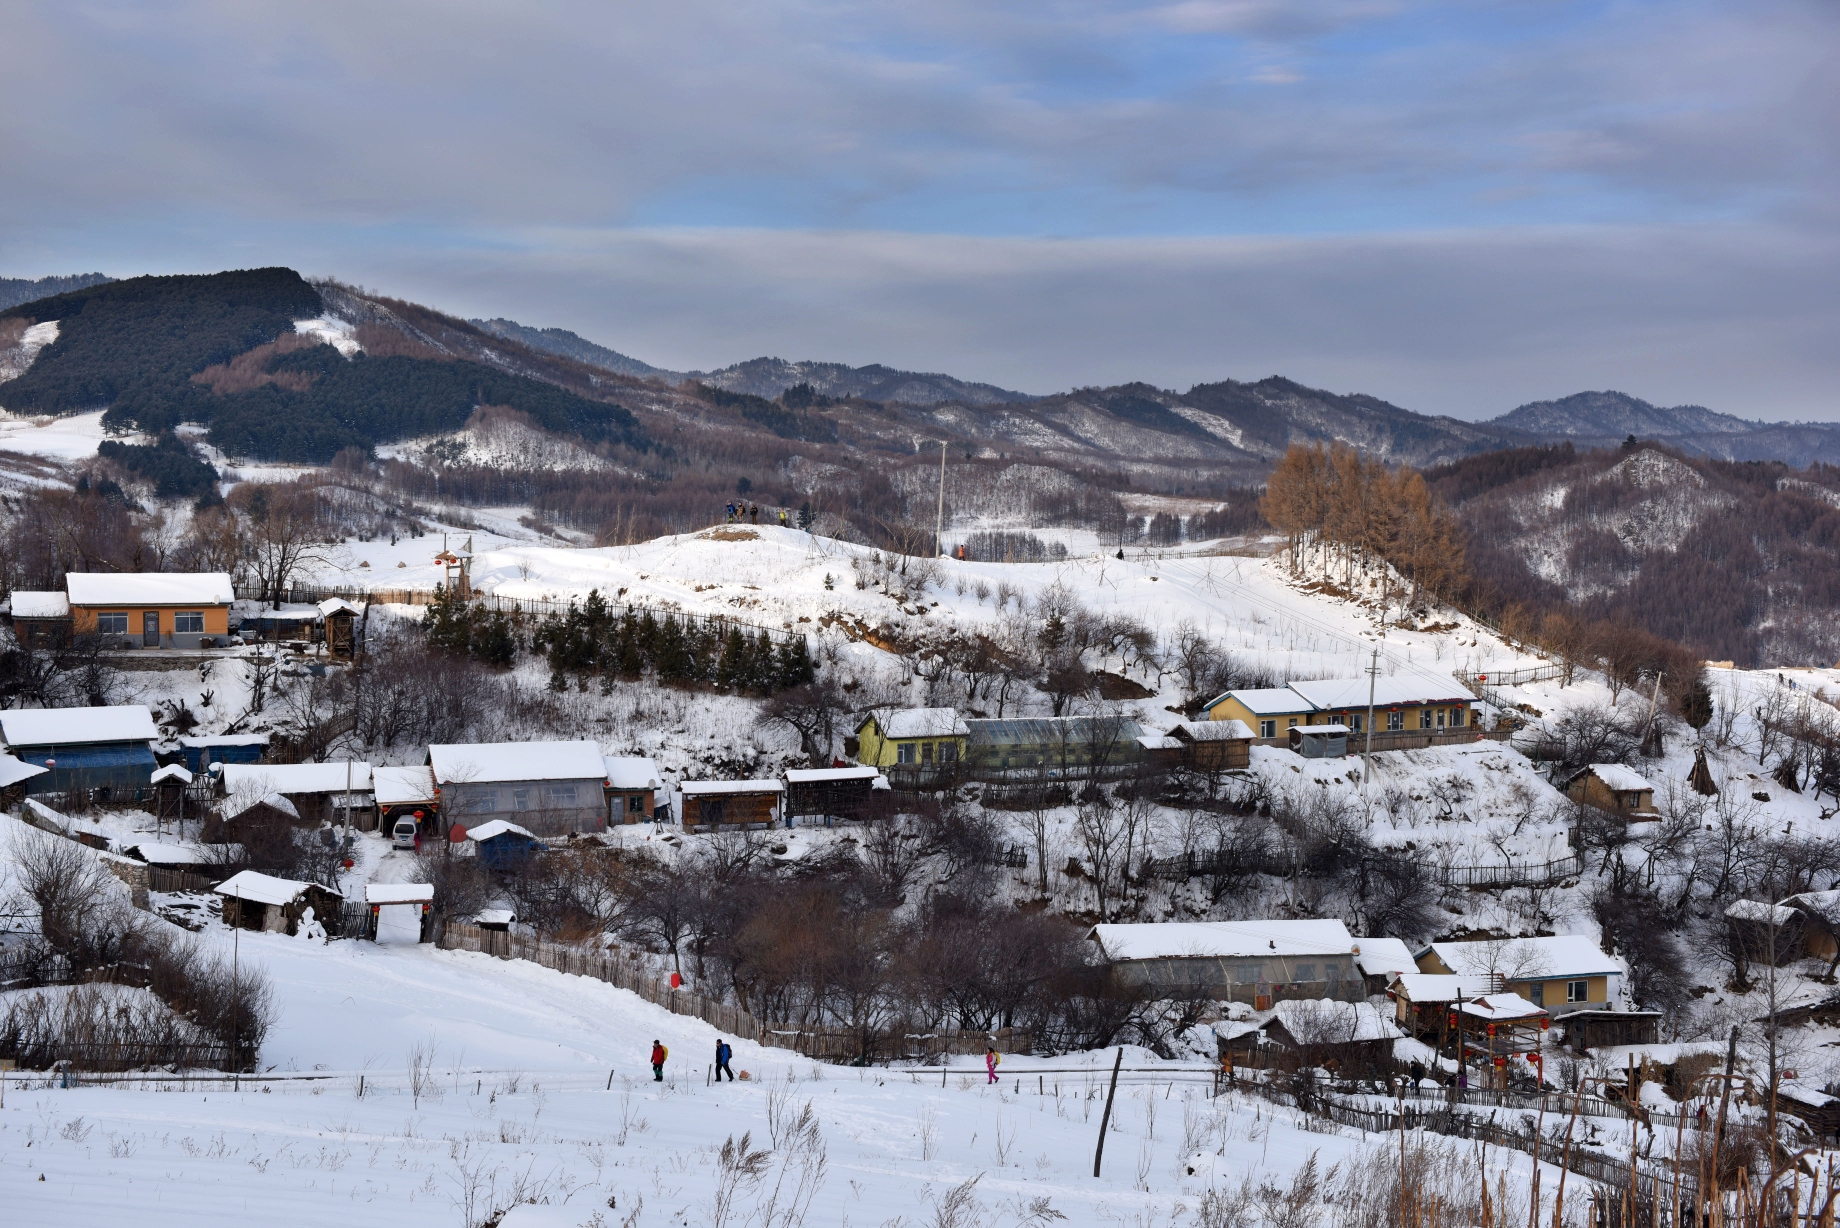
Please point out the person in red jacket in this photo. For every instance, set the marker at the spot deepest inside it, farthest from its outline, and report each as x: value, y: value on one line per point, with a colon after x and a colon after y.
x: 659, y: 1054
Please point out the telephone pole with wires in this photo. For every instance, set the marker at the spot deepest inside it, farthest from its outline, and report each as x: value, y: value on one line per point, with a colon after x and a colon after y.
x: 1367, y: 752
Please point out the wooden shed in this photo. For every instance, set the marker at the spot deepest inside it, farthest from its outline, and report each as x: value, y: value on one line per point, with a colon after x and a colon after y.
x: 256, y: 901
x: 1319, y: 741
x: 713, y: 804
x: 14, y: 773
x: 341, y: 627
x: 1613, y: 787
x: 1763, y: 933
x: 825, y: 794
x: 1211, y: 746
x: 633, y: 785
x: 1604, y: 1029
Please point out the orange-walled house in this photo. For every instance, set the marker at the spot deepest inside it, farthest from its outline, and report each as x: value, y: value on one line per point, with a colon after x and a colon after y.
x: 151, y: 609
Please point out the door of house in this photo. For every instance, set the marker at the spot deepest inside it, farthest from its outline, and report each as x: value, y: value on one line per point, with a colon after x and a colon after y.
x: 150, y: 629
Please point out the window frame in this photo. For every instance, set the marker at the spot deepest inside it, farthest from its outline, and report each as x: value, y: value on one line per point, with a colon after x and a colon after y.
x: 1395, y: 721
x: 188, y: 616
x: 1578, y: 991
x: 904, y: 753
x: 1268, y: 729
x: 112, y: 622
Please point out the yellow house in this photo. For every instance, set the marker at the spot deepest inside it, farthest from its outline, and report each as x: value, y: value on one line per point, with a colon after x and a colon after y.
x: 1562, y: 974
x: 1412, y: 701
x: 912, y: 737
x: 154, y: 609
x: 1267, y: 711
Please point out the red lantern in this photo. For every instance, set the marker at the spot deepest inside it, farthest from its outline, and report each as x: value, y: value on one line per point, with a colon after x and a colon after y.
x: 1501, y: 1063
x: 1452, y: 1023
x: 677, y: 982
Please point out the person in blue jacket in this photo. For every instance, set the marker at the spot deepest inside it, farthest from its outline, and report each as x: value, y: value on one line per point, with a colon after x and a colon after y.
x: 724, y: 1051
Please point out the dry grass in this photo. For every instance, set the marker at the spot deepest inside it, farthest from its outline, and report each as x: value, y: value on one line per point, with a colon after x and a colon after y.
x: 730, y: 535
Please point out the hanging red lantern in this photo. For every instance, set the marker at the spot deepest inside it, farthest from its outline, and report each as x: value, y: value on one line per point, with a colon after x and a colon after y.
x: 677, y: 981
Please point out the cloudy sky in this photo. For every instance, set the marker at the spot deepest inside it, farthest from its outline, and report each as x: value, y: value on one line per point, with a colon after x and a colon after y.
x: 1456, y: 206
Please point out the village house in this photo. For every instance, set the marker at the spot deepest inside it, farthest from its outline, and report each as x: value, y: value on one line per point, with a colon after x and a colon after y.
x: 1613, y: 787
x: 550, y: 788
x: 318, y: 791
x: 734, y: 804
x: 831, y: 793
x: 406, y: 792
x: 632, y: 789
x: 1380, y: 960
x: 255, y: 901
x: 1558, y: 974
x: 912, y: 738
x: 104, y: 749
x: 40, y: 620
x: 1268, y: 711
x: 1213, y: 746
x: 1409, y: 701
x: 151, y: 609
x: 1241, y: 961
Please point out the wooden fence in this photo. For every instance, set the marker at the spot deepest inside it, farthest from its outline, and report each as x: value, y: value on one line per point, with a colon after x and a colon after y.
x: 1198, y: 863
x: 159, y: 878
x: 623, y: 971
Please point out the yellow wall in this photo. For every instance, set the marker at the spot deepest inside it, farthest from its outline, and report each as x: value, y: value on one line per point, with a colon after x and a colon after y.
x: 216, y: 618
x: 873, y: 750
x: 1231, y: 709
x: 1597, y: 988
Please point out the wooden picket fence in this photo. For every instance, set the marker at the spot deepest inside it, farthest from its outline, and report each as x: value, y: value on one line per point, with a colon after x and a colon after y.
x: 624, y: 971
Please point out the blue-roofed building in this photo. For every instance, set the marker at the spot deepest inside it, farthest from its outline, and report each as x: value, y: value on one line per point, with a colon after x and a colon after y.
x: 201, y: 752
x: 108, y: 749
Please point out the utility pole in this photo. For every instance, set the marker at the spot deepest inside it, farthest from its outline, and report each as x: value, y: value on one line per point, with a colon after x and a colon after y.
x: 1367, y: 754
x: 939, y: 521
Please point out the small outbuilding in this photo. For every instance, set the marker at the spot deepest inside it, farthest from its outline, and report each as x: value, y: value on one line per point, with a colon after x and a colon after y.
x: 1211, y: 746
x: 503, y: 845
x: 633, y: 785
x: 1613, y: 787
x: 825, y: 794
x: 41, y: 620
x: 1319, y: 741
x: 339, y: 621
x: 1380, y: 960
x: 1349, y: 1037
x: 199, y: 753
x: 733, y: 804
x: 1762, y: 933
x: 1422, y: 1001
x: 1585, y: 1030
x: 256, y: 901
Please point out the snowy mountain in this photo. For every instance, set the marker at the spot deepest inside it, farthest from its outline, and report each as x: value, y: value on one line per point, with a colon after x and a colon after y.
x: 1616, y: 415
x: 565, y: 344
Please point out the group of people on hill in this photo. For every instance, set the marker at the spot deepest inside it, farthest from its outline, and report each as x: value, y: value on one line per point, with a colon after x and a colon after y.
x: 725, y: 1052
x: 749, y: 513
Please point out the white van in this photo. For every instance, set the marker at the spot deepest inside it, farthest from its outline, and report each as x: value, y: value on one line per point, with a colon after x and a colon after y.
x: 402, y: 836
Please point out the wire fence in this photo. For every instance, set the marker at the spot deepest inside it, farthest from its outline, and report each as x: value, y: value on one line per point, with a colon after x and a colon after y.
x: 1205, y: 863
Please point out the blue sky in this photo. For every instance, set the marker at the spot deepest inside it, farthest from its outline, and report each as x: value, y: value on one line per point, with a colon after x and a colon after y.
x: 1459, y: 207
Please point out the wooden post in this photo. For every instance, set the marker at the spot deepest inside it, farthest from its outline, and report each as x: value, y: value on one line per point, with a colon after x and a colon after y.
x: 1105, y: 1118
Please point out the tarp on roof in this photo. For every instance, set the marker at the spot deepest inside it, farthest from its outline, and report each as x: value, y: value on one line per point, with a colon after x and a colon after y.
x: 1407, y: 688
x: 1528, y: 959
x: 296, y: 778
x: 40, y: 605
x: 1384, y: 957
x: 181, y: 588
x: 497, y: 827
x: 398, y: 893
x: 77, y: 726
x: 498, y: 762
x: 921, y: 723
x: 12, y: 770
x: 263, y: 888
x: 402, y: 786
x: 631, y: 772
x: 706, y: 788
x: 819, y: 776
x: 1222, y: 939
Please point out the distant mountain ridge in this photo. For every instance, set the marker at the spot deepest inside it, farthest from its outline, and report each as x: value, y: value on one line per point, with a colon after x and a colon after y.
x: 1617, y: 415
x: 16, y: 290
x: 565, y: 344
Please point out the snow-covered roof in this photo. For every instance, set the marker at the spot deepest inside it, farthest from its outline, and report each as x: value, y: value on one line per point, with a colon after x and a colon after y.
x: 297, y: 778
x: 159, y: 853
x: 1823, y: 904
x: 1322, y: 1021
x: 922, y: 723
x: 1617, y: 777
x: 398, y: 893
x: 77, y: 726
x: 335, y: 605
x: 90, y: 588
x: 1267, y: 701
x: 262, y: 888
x: 631, y: 772
x: 819, y: 776
x: 461, y: 763
x: 1528, y: 959
x: 1407, y: 687
x: 40, y: 605
x: 1160, y: 741
x: 498, y: 827
x: 1812, y: 1097
x: 1212, y: 731
x: 1758, y: 911
x: 1619, y: 1056
x: 172, y: 771
x: 1437, y: 987
x: 699, y: 788
x: 495, y: 916
x: 1384, y: 957
x: 398, y: 786
x: 274, y: 801
x: 1321, y: 730
x: 1221, y: 939
x: 40, y: 815
x: 226, y: 739
x: 1497, y: 1007
x: 12, y: 770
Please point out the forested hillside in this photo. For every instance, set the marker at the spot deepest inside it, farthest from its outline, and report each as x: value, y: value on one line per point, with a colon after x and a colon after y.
x: 15, y: 290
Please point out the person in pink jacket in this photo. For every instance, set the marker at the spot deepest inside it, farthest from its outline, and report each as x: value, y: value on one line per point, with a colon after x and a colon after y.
x: 991, y: 1058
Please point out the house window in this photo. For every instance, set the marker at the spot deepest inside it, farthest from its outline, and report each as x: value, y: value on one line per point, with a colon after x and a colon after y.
x: 1246, y: 974
x: 904, y: 752
x: 520, y: 799
x: 948, y: 752
x: 1306, y: 972
x: 482, y: 801
x: 188, y: 622
x: 1456, y: 716
x: 1578, y: 991
x: 1293, y: 723
x: 926, y: 752
x: 1424, y: 718
x: 560, y: 795
x: 1440, y: 716
x: 1395, y: 721
x: 635, y: 803
x: 1268, y: 729
x: 112, y: 624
